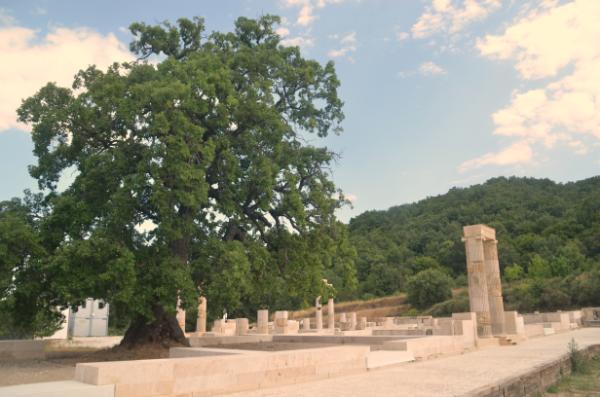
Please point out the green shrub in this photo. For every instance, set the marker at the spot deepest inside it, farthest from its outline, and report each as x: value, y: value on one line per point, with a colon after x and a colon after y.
x: 458, y: 304
x: 579, y: 363
x: 428, y: 287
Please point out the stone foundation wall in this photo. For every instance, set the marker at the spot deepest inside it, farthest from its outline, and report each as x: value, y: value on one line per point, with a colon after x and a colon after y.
x: 533, y: 383
x: 207, y: 376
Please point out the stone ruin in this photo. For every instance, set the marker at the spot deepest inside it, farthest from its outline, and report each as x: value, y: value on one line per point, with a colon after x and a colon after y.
x: 232, y: 355
x: 485, y: 287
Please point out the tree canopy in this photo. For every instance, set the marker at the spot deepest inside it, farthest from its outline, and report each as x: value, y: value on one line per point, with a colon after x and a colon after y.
x: 189, y: 172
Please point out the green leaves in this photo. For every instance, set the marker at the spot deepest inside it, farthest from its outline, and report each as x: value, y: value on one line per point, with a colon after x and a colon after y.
x: 428, y: 287
x: 205, y: 146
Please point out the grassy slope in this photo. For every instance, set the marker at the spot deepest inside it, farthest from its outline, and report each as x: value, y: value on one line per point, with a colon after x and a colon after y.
x: 586, y: 383
x: 389, y: 306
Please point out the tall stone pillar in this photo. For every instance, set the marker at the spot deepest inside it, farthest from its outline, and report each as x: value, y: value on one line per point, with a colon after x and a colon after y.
x: 330, y: 314
x: 180, y: 316
x: 494, y: 285
x: 478, y: 292
x: 318, y: 314
x: 262, y: 321
x: 201, y: 320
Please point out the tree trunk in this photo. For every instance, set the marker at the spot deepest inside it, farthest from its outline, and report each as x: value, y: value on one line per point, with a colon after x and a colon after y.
x: 162, y: 330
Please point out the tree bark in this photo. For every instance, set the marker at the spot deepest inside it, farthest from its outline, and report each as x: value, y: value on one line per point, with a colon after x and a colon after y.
x: 162, y: 330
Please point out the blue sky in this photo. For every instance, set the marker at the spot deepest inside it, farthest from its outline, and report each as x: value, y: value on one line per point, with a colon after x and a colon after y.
x: 438, y: 93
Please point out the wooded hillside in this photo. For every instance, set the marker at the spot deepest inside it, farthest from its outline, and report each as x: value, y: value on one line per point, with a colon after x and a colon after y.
x: 545, y: 230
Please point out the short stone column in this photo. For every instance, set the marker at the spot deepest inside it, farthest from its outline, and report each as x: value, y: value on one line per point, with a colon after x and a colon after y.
x: 318, y: 314
x: 305, y: 324
x: 219, y: 327
x: 352, y: 321
x: 201, y: 320
x: 362, y: 323
x: 180, y: 316
x: 494, y: 285
x: 281, y: 322
x: 478, y: 292
x: 262, y: 321
x: 330, y: 314
x: 343, y: 318
x: 241, y: 326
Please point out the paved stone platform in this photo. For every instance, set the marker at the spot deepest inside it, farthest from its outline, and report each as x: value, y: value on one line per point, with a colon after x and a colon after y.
x: 66, y: 388
x: 448, y: 376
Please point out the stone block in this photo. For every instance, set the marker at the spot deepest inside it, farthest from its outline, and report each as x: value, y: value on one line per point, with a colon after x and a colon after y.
x: 221, y: 374
x: 241, y: 326
x: 224, y: 327
x: 262, y: 322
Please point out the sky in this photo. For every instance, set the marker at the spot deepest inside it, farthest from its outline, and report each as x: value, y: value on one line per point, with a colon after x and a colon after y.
x: 437, y: 93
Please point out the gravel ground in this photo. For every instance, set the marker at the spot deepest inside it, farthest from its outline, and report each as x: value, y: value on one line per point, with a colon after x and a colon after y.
x: 60, y: 364
x: 33, y: 371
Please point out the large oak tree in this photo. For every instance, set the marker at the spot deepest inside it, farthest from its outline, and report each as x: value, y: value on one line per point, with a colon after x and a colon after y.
x: 196, y: 155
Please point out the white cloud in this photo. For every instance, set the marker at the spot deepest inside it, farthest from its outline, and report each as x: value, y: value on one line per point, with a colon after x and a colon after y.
x: 558, y: 43
x: 300, y: 41
x: 450, y: 17
x: 431, y: 69
x: 401, y: 36
x: 306, y: 14
x: 28, y: 63
x: 579, y: 147
x: 348, y: 45
x: 323, y: 3
x: 517, y: 153
x: 282, y: 32
x: 353, y: 198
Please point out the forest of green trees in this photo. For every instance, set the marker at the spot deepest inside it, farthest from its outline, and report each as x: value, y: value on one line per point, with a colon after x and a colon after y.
x: 548, y: 233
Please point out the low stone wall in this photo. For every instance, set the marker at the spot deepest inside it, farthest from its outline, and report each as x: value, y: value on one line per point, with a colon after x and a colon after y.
x: 340, y: 339
x: 99, y: 342
x: 204, y: 376
x: 227, y: 340
x: 399, y: 332
x: 534, y: 382
x: 22, y: 349
x: 533, y: 330
x: 423, y: 348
